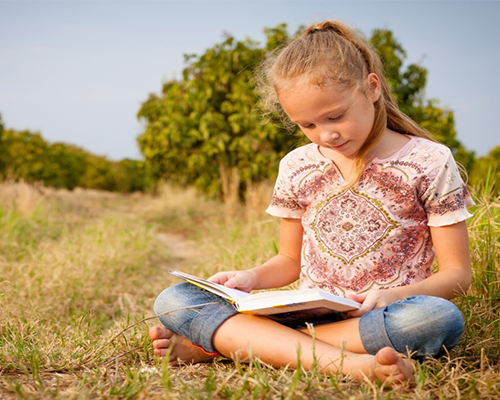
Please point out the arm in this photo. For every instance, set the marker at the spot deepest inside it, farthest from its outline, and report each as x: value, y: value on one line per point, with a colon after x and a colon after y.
x: 281, y: 270
x: 451, y: 244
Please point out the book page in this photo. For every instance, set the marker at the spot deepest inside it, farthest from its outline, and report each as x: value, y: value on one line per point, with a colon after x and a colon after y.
x: 295, y: 299
x: 233, y: 295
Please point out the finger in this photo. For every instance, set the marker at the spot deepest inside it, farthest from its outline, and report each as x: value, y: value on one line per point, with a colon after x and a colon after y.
x: 357, y: 297
x: 233, y: 282
x: 214, y: 278
x: 356, y: 313
x: 239, y: 281
x: 219, y: 277
x: 368, y: 305
x: 360, y: 298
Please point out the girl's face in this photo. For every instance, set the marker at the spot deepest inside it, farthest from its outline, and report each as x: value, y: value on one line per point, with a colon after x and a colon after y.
x: 336, y: 119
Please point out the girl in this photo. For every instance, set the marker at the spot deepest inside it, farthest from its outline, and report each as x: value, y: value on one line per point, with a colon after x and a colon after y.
x: 364, y: 208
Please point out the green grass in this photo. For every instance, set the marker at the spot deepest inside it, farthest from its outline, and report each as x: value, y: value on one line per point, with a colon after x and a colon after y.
x: 79, y: 272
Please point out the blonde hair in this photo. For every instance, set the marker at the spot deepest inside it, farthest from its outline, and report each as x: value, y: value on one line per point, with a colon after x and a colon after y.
x: 329, y: 53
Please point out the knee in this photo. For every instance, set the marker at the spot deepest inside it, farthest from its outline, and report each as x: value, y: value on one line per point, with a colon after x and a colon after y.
x: 172, y: 308
x: 173, y: 298
x: 425, y: 325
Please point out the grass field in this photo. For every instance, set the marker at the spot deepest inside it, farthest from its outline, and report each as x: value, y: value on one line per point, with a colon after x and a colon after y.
x: 79, y: 272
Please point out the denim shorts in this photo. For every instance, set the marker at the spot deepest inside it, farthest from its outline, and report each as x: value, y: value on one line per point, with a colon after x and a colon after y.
x: 423, y: 325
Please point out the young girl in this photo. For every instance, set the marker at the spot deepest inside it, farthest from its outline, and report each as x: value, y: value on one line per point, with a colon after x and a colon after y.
x: 364, y: 209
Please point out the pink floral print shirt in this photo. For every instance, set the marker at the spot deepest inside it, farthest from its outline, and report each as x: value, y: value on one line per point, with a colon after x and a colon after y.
x: 375, y: 235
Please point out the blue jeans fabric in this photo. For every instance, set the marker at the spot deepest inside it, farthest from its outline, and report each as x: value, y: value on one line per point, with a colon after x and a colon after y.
x: 422, y: 325
x: 197, y: 313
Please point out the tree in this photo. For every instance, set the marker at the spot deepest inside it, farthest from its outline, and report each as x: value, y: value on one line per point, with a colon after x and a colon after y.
x: 133, y: 176
x: 408, y: 85
x: 26, y: 155
x: 2, y: 149
x: 66, y: 166
x: 201, y: 129
x: 100, y: 174
x: 487, y: 169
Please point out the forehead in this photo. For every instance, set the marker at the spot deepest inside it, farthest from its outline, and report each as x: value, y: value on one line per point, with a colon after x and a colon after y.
x: 306, y: 100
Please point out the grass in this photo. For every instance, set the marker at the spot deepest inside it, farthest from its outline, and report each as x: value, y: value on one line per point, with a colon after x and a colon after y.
x: 79, y: 272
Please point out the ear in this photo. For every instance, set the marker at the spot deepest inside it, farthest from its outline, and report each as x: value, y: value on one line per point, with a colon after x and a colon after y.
x: 374, y: 87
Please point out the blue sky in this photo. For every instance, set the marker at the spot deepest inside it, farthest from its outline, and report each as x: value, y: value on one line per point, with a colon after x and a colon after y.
x: 78, y: 71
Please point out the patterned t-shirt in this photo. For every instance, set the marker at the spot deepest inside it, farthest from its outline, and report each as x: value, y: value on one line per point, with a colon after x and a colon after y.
x: 375, y: 235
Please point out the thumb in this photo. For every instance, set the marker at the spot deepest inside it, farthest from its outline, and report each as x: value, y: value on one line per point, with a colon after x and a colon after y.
x: 233, y: 282
x: 219, y: 278
x: 357, y: 297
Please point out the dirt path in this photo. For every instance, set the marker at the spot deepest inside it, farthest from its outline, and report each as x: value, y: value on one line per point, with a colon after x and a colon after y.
x: 183, y: 250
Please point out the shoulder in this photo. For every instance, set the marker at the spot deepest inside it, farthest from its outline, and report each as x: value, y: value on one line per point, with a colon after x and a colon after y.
x: 304, y: 157
x: 433, y: 157
x: 423, y: 144
x: 441, y: 185
x: 285, y: 202
x: 422, y: 156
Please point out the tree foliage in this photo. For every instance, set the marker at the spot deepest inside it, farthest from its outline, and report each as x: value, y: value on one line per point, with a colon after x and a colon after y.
x: 26, y: 155
x: 201, y: 129
x: 2, y: 147
x: 408, y: 85
x: 486, y: 172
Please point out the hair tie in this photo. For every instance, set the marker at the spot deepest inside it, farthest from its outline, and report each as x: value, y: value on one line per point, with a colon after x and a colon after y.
x: 326, y: 28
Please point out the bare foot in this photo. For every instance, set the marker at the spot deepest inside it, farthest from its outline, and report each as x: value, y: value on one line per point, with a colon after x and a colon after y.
x: 182, y: 349
x: 390, y: 366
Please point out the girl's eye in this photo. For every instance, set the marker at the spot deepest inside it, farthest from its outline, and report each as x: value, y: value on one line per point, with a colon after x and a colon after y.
x: 310, y: 126
x: 338, y: 118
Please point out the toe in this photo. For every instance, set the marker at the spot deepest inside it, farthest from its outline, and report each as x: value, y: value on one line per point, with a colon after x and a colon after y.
x: 173, y: 363
x: 161, y: 343
x: 161, y: 352
x: 389, y: 370
x: 160, y: 332
x: 387, y: 356
x: 155, y: 332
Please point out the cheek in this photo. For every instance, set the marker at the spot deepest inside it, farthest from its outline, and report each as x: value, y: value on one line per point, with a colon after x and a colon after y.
x: 308, y: 135
x: 371, y: 114
x: 366, y: 119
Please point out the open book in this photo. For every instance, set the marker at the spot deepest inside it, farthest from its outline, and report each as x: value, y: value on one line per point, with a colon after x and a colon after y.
x: 290, y: 307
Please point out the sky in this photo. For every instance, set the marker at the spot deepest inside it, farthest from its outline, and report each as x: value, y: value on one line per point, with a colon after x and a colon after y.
x: 78, y: 71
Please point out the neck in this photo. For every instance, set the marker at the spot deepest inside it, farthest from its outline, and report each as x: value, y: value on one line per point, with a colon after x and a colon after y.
x: 389, y: 143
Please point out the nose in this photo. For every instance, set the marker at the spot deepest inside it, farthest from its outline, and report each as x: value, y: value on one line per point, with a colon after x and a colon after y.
x: 328, y: 136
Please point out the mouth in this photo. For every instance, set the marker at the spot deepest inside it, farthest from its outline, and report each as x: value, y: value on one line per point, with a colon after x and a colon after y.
x: 339, y: 146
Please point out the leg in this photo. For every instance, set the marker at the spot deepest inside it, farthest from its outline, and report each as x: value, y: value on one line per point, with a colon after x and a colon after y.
x: 186, y: 325
x: 189, y: 316
x: 243, y: 336
x: 421, y: 325
x: 341, y: 334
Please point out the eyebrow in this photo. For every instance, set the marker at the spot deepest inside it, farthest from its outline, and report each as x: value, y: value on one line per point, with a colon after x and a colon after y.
x: 335, y: 110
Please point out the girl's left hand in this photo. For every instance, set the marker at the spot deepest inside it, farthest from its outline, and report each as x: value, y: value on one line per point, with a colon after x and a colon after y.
x: 372, y: 300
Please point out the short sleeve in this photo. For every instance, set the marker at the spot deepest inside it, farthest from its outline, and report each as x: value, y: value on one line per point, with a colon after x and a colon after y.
x: 285, y: 203
x: 447, y: 198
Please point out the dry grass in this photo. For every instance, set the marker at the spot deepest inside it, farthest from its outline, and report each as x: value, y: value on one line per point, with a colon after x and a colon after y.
x: 79, y: 271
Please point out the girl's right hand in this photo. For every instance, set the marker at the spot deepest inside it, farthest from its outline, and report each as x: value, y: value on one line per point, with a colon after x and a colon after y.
x: 242, y: 280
